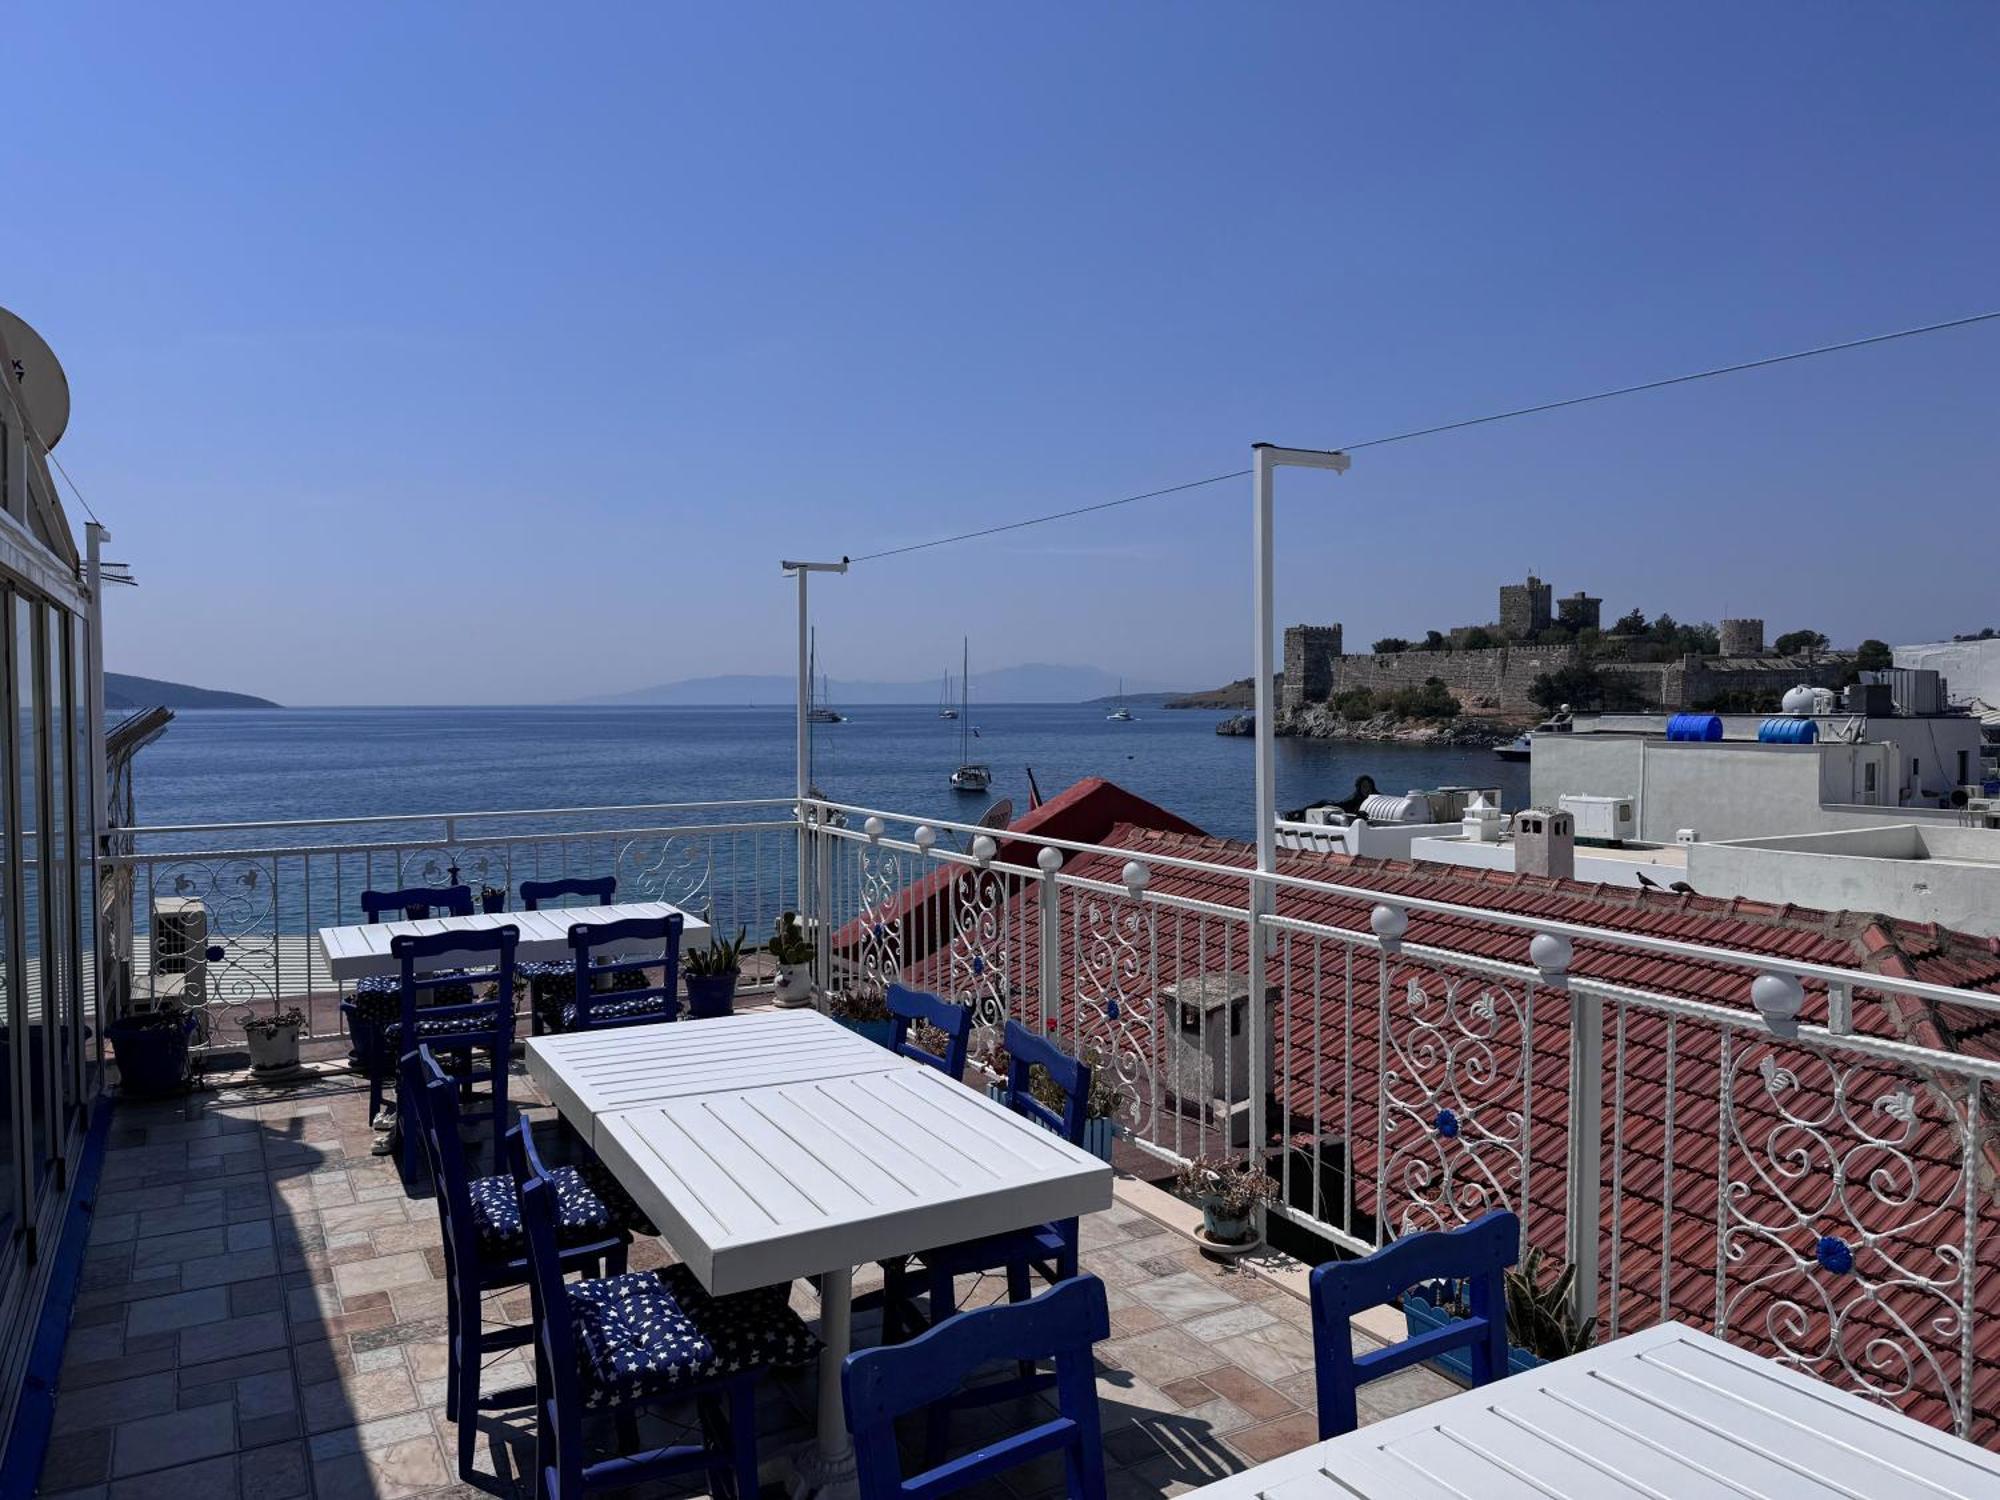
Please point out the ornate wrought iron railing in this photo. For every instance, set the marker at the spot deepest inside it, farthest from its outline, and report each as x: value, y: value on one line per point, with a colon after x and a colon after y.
x: 223, y: 915
x: 1792, y: 1154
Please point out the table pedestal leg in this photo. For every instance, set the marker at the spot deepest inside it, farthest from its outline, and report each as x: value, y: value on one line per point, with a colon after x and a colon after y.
x: 826, y: 1465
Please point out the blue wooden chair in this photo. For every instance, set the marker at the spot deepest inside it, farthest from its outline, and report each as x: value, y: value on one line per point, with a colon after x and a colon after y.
x: 615, y: 1344
x: 378, y: 1000
x: 621, y: 1004
x: 549, y: 979
x: 1479, y: 1253
x: 908, y: 1008
x: 929, y: 1372
x: 457, y: 1027
x: 486, y: 1249
x: 1049, y: 1248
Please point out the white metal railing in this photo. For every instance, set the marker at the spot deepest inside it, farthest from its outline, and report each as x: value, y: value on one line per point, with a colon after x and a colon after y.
x: 223, y: 915
x: 1786, y: 1151
x: 1819, y: 1190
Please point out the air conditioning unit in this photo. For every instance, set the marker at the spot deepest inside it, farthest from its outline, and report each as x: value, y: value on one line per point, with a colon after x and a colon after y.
x: 180, y: 948
x: 1602, y: 820
x: 1685, y: 836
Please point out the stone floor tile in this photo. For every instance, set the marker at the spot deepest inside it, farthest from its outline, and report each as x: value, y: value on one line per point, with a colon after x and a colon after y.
x: 391, y: 1473
x: 116, y: 1401
x: 1401, y: 1392
x: 1274, y: 1439
x: 382, y: 1272
x: 232, y: 1336
x: 274, y: 1473
x: 209, y: 1479
x: 1182, y: 1296
x: 177, y: 1310
x: 1161, y: 1356
x: 1270, y: 1353
x: 1236, y: 1318
x: 1261, y: 1401
x: 173, y: 1438
x: 77, y: 1459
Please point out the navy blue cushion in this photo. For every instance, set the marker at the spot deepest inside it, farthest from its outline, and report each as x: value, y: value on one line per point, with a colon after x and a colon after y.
x: 473, y: 1028
x: 581, y: 1214
x: 633, y: 1340
x: 380, y: 998
x: 611, y: 1193
x: 647, y: 1333
x: 618, y: 1010
x: 748, y: 1329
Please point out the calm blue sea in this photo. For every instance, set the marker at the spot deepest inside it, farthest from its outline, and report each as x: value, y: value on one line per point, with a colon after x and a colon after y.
x: 351, y: 762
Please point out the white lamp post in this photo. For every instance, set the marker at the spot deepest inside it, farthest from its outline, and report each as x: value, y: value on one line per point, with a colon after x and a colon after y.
x: 1267, y: 461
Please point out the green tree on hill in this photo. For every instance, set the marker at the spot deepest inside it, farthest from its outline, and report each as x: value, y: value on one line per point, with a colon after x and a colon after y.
x: 1807, y: 643
x: 1389, y: 643
x: 1874, y: 656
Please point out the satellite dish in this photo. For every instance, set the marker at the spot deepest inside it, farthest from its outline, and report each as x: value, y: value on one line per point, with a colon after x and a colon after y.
x: 36, y: 379
x: 999, y: 815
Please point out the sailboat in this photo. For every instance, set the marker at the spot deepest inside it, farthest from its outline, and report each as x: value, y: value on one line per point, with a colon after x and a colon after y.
x: 818, y: 711
x: 1121, y: 714
x: 971, y: 775
x: 946, y: 708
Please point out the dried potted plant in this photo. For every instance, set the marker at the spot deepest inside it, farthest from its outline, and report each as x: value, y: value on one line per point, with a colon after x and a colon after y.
x: 274, y: 1043
x: 711, y: 973
x: 1101, y: 1109
x: 151, y: 1048
x: 1540, y: 1325
x: 864, y: 1009
x: 792, y: 952
x: 1229, y: 1194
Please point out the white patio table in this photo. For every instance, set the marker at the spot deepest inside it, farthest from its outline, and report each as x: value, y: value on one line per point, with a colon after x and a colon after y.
x: 362, y: 950
x: 780, y: 1145
x: 1671, y: 1411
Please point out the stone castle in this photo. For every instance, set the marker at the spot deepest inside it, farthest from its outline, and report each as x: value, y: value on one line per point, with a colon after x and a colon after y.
x: 1496, y: 679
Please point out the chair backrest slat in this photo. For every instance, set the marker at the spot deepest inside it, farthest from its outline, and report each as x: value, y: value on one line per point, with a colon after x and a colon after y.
x: 434, y: 1097
x: 598, y: 888
x: 1477, y: 1253
x: 907, y: 1007
x: 417, y: 902
x: 881, y: 1384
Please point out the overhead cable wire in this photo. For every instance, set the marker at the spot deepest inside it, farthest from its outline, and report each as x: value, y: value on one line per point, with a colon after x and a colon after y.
x: 1443, y: 427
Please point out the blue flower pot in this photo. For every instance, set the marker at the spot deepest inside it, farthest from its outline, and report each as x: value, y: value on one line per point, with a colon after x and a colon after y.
x: 882, y: 1033
x: 710, y: 996
x: 1421, y: 1317
x: 151, y: 1059
x: 1098, y: 1132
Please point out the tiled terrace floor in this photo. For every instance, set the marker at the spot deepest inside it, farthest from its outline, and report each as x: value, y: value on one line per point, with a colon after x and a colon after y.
x: 262, y: 1315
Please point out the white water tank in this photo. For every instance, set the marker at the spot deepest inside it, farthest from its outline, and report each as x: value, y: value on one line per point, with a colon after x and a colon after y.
x: 1799, y: 700
x: 1411, y: 807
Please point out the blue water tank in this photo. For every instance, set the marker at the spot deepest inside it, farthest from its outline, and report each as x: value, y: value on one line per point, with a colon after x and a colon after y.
x: 1694, y: 727
x: 1788, y: 732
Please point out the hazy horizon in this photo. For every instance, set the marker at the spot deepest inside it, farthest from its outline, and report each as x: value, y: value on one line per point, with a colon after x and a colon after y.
x: 443, y: 355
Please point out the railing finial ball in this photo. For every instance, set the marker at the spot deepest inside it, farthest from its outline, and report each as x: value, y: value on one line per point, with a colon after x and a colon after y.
x: 925, y: 836
x: 1050, y: 859
x: 873, y: 828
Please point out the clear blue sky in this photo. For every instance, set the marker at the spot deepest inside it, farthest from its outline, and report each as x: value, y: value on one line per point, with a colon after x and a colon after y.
x: 497, y: 353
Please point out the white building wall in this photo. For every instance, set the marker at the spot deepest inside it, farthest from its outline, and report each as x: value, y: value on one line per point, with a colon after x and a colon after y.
x: 1919, y: 872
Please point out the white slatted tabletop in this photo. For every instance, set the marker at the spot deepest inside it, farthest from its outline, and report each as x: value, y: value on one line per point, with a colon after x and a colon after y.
x: 761, y: 1184
x: 362, y: 951
x: 1668, y: 1412
x: 590, y: 1074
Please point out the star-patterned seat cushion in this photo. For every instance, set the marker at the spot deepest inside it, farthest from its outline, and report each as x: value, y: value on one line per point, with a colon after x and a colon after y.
x: 647, y: 1334
x: 474, y: 1028
x: 552, y: 987
x: 582, y: 1215
x: 601, y: 1011
x: 380, y: 997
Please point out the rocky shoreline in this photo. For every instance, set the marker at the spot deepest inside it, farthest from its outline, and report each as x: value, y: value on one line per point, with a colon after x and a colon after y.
x: 1319, y: 722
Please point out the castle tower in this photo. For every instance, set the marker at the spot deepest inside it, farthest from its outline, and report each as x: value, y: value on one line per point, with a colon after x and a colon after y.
x: 1310, y: 652
x: 1742, y: 637
x: 1579, y: 611
x: 1525, y: 608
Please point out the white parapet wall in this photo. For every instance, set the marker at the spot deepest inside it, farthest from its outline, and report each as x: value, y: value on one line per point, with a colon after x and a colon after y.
x: 1922, y: 872
x: 1661, y: 866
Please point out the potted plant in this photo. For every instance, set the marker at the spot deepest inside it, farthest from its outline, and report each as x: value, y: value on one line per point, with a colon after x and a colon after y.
x: 711, y: 974
x: 274, y: 1043
x: 492, y: 898
x: 151, y: 1048
x: 1229, y: 1194
x: 792, y: 952
x: 1100, y: 1110
x: 864, y: 1010
x: 1540, y: 1326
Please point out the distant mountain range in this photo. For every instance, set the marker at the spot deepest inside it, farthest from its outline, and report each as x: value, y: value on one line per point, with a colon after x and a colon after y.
x: 1035, y: 682
x: 123, y: 691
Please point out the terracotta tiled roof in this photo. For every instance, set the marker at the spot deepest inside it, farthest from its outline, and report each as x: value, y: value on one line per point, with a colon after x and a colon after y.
x: 1870, y: 1154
